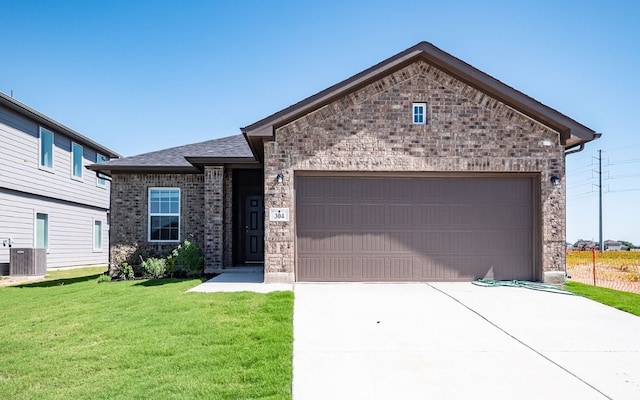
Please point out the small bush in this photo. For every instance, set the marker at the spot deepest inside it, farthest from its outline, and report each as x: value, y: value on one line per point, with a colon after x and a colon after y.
x: 104, y: 278
x: 123, y: 271
x: 154, y: 267
x: 186, y: 258
x: 124, y: 253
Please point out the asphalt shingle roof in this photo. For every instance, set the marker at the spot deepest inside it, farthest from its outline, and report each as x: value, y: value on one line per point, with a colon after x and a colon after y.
x: 224, y: 148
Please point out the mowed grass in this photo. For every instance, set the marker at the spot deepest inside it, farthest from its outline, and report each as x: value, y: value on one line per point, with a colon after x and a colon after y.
x: 625, y: 301
x: 70, y: 337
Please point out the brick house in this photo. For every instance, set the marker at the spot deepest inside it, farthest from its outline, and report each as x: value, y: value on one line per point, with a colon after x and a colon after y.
x: 419, y: 168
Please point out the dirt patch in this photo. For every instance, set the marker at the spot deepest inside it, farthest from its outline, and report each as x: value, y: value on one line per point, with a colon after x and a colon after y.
x: 17, y: 280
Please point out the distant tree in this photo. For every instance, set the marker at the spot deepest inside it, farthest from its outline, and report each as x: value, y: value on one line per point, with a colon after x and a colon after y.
x: 628, y: 244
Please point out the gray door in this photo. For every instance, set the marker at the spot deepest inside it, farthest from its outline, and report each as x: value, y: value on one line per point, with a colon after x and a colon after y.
x: 414, y: 229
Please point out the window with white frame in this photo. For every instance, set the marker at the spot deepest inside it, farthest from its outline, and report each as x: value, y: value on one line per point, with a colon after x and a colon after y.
x: 76, y: 161
x: 100, y: 181
x: 419, y: 113
x: 164, y: 214
x: 46, y: 148
x: 42, y: 231
x: 97, y: 235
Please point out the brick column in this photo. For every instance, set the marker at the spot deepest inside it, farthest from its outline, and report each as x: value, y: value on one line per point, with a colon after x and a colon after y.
x: 213, y: 218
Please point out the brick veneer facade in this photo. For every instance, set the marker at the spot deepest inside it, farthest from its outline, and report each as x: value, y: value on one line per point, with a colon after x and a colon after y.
x: 205, y: 209
x: 370, y: 130
x: 130, y: 204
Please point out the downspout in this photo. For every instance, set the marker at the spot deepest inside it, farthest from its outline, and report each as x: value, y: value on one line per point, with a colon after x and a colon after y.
x: 581, y: 145
x: 579, y: 149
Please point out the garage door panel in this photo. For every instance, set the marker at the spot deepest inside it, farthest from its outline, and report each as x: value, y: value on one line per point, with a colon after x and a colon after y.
x: 373, y: 189
x: 321, y: 242
x: 373, y: 268
x: 341, y: 215
x: 322, y: 269
x: 399, y: 229
x: 372, y: 215
x: 400, y: 242
x: 314, y: 215
x: 400, y: 215
x: 374, y: 242
x: 400, y: 268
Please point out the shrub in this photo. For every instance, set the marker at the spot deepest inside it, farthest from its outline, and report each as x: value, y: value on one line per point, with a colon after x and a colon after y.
x: 131, y: 254
x: 186, y: 258
x: 124, y: 271
x: 154, y: 267
x: 124, y: 253
x: 104, y: 278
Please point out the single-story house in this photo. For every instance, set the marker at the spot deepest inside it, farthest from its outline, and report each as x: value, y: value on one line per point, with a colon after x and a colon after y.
x: 420, y: 168
x: 586, y: 245
x: 614, y: 245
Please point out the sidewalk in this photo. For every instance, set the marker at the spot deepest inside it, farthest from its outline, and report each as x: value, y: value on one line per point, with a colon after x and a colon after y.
x: 241, y: 279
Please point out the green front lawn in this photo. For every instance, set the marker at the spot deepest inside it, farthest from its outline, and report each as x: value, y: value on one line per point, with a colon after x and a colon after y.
x: 70, y: 337
x: 625, y: 301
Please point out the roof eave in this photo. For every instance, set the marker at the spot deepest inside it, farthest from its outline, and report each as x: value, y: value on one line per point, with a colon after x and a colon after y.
x: 570, y: 131
x: 110, y: 169
x: 201, y: 161
x: 50, y: 123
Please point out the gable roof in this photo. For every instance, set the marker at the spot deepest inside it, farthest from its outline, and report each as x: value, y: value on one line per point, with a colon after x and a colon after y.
x: 186, y: 158
x: 50, y: 123
x: 572, y: 133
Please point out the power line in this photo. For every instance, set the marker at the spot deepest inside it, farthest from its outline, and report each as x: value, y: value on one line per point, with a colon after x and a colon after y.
x: 625, y: 176
x: 623, y: 148
x: 625, y: 190
x: 629, y: 161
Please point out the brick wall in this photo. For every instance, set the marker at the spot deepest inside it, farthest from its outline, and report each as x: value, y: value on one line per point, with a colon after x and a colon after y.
x: 227, y: 260
x: 371, y: 130
x: 129, y: 211
x: 213, y: 218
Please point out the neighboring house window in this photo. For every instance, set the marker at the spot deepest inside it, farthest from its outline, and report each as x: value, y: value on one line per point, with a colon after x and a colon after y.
x: 100, y: 178
x: 46, y: 148
x: 419, y: 113
x: 97, y: 235
x: 164, y: 214
x: 76, y: 161
x: 42, y: 231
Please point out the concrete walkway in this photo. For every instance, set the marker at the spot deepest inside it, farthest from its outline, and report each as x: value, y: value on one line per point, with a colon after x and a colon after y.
x: 459, y: 341
x: 241, y: 279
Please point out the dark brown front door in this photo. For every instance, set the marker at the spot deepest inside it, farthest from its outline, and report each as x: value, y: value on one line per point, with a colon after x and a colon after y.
x: 254, y: 229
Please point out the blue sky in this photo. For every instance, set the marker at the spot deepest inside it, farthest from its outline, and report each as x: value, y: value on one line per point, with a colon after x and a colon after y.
x: 144, y: 75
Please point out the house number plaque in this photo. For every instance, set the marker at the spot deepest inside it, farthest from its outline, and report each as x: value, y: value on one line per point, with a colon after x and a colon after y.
x: 279, y: 214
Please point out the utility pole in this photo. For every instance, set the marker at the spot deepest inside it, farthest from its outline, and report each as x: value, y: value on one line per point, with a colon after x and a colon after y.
x: 600, y: 197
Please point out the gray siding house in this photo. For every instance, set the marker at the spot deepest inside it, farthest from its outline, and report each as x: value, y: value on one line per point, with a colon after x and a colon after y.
x: 48, y: 199
x: 420, y: 168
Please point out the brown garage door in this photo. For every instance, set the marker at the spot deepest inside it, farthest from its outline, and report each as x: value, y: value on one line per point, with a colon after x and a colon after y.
x: 413, y: 229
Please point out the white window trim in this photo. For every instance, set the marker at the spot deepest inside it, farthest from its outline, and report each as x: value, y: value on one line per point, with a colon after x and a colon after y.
x: 77, y: 178
x: 35, y: 228
x: 163, y: 214
x: 53, y: 147
x: 98, y: 179
x: 93, y: 235
x: 424, y: 113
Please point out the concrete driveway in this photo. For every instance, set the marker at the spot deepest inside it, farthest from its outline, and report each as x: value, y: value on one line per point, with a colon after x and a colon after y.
x: 459, y: 341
